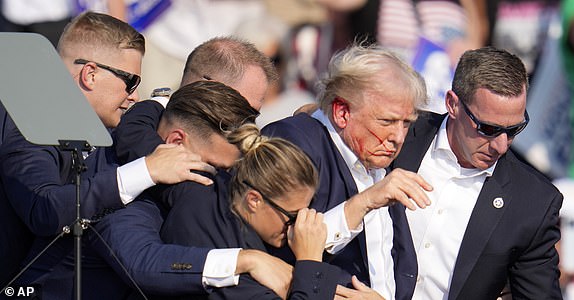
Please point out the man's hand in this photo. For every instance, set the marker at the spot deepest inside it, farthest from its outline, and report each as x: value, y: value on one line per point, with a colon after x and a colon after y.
x: 171, y: 164
x: 361, y: 292
x: 307, y: 236
x: 399, y: 185
x: 268, y: 270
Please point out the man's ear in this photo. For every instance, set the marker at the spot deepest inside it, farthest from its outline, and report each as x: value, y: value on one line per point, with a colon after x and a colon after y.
x: 87, y: 76
x: 452, y: 103
x: 341, y: 112
x: 176, y: 136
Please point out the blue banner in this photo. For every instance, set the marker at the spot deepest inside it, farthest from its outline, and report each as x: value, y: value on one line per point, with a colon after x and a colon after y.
x: 139, y: 13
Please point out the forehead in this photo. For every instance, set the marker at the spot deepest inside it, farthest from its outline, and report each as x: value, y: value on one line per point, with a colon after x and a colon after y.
x: 298, y: 198
x: 496, y: 109
x: 252, y: 85
x: 390, y: 103
x: 128, y: 60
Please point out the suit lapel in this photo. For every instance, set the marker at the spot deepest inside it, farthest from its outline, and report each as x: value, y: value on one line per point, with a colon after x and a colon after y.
x: 417, y: 142
x: 483, y: 221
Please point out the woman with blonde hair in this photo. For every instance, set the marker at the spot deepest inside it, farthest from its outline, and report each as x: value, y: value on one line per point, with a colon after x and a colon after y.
x: 261, y: 203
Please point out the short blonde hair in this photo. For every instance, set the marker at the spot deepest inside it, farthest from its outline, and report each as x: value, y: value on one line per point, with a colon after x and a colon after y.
x: 91, y: 31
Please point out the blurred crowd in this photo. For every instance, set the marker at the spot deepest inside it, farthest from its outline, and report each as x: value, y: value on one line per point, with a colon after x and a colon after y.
x: 301, y: 35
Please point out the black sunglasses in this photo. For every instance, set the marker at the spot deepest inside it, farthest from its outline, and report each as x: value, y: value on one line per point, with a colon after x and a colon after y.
x: 490, y: 130
x: 131, y: 80
x: 291, y: 217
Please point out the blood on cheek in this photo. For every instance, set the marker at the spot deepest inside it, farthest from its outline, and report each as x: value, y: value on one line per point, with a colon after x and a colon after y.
x: 361, y: 146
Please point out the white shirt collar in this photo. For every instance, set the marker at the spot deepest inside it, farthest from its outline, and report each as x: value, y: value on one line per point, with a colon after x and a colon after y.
x: 352, y: 161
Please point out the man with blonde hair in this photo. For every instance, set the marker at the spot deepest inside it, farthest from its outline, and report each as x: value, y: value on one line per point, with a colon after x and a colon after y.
x: 369, y: 100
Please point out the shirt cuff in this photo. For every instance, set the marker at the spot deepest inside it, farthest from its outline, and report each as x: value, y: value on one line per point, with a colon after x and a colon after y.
x: 338, y: 232
x: 219, y: 268
x: 161, y: 99
x: 133, y: 178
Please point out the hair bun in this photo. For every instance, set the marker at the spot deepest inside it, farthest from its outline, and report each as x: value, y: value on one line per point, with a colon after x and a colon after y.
x: 247, y: 137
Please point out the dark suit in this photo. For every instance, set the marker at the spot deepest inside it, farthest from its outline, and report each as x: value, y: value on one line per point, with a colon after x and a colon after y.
x: 15, y: 237
x: 202, y: 216
x: 133, y: 234
x: 38, y: 181
x: 38, y: 198
x: 515, y: 241
x: 136, y: 135
x: 337, y: 185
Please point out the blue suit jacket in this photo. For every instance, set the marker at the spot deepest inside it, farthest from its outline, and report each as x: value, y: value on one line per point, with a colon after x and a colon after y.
x: 202, y: 216
x: 136, y: 135
x: 15, y: 237
x: 515, y: 242
x: 38, y: 197
x: 37, y: 183
x: 337, y: 185
x: 133, y: 233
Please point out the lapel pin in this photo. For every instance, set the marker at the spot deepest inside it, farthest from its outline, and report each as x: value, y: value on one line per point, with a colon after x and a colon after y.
x: 498, y: 202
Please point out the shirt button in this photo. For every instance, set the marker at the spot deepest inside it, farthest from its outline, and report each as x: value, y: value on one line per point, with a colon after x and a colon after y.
x: 427, y: 245
x: 337, y: 236
x: 440, y: 211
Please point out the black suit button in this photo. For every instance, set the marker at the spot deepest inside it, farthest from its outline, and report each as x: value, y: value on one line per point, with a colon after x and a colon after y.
x: 315, y: 289
x: 187, y: 266
x: 318, y: 275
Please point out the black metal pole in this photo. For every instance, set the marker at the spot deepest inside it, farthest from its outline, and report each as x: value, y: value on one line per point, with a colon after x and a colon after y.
x: 76, y: 147
x: 78, y: 230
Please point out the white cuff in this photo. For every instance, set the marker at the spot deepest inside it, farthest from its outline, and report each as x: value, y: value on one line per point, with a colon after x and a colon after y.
x: 161, y: 99
x: 219, y: 268
x: 133, y: 178
x: 338, y: 232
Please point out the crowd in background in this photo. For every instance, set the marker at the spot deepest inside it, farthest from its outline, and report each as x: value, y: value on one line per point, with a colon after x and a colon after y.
x: 301, y: 36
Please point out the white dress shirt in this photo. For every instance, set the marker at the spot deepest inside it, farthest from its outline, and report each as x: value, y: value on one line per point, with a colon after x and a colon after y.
x: 378, y: 224
x: 438, y: 230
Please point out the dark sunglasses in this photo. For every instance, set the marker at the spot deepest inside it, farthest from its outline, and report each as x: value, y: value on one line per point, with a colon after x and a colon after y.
x: 131, y: 80
x: 490, y: 130
x: 291, y: 217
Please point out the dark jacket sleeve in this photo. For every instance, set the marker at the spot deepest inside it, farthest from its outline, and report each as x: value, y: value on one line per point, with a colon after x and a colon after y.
x: 535, y: 273
x: 33, y: 181
x: 136, y: 135
x: 162, y: 269
x: 311, y: 280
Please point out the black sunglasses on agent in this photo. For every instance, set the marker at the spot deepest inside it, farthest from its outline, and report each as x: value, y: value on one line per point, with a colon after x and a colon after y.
x: 131, y: 80
x: 490, y: 130
x: 291, y: 217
